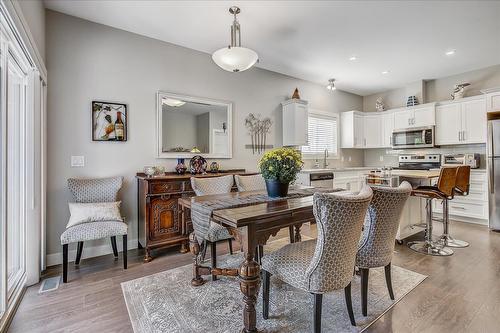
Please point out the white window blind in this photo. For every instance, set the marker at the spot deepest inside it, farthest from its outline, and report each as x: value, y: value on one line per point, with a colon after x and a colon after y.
x: 322, y: 134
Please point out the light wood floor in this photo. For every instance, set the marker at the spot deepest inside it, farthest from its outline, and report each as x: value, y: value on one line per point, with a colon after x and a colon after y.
x: 461, y: 294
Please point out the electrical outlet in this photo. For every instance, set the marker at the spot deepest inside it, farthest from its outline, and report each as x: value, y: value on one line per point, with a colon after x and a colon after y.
x: 77, y: 161
x: 381, y: 158
x: 349, y: 159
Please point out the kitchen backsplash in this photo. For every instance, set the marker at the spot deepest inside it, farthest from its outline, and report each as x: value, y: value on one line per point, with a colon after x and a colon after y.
x: 389, y: 157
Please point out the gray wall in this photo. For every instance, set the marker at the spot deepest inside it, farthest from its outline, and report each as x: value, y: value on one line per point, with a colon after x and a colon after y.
x: 175, y: 135
x: 34, y: 13
x: 438, y: 89
x: 88, y: 61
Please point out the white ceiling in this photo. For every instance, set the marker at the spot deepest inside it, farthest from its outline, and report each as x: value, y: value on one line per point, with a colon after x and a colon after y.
x: 313, y: 40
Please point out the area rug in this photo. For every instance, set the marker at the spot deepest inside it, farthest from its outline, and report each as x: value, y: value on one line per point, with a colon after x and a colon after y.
x: 166, y: 302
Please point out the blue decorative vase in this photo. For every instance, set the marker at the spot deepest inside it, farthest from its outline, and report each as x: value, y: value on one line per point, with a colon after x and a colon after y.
x: 180, y: 168
x: 275, y: 189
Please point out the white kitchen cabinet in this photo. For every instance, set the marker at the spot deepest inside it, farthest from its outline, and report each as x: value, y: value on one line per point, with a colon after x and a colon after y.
x: 461, y: 122
x: 474, y: 121
x: 448, y: 124
x: 417, y: 116
x: 387, y: 127
x: 295, y: 120
x: 372, y: 130
x: 493, y: 101
x: 351, y: 129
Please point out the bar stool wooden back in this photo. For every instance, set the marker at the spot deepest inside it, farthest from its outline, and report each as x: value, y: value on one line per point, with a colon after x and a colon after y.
x: 444, y: 190
x: 461, y: 188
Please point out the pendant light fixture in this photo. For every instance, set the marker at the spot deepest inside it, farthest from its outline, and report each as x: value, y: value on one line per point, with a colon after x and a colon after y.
x: 331, y: 85
x: 235, y: 58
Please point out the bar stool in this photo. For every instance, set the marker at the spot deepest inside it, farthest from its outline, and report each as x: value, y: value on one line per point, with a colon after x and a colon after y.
x: 444, y: 190
x: 462, y: 185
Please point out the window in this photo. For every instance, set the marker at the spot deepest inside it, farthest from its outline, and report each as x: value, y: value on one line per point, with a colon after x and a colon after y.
x: 322, y: 134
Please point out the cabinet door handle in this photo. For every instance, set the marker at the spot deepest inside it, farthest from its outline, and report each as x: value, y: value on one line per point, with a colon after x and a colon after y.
x: 463, y: 136
x: 457, y: 207
x: 459, y: 136
x: 365, y: 142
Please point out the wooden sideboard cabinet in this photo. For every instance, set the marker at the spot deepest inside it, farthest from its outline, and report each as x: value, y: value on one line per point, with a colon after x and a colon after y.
x: 159, y: 221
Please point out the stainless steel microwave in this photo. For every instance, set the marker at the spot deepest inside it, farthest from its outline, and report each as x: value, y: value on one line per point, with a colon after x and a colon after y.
x: 417, y: 137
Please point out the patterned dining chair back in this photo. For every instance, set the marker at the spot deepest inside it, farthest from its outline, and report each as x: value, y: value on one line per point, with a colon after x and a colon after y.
x: 381, y: 225
x: 212, y: 185
x: 95, y: 190
x: 250, y: 183
x: 339, y: 219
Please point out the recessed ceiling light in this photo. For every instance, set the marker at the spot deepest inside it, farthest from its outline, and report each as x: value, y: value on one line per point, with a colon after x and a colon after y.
x: 450, y: 52
x: 385, y: 72
x: 353, y: 58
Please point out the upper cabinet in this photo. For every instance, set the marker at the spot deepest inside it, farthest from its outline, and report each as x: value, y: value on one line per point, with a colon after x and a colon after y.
x: 366, y: 129
x: 461, y: 122
x: 417, y: 116
x: 493, y: 101
x: 295, y: 119
x: 351, y: 129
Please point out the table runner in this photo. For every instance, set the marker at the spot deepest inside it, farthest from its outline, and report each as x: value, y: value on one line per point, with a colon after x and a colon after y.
x: 201, y: 211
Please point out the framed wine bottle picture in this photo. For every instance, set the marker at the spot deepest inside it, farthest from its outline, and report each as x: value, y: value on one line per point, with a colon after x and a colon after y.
x: 109, y: 121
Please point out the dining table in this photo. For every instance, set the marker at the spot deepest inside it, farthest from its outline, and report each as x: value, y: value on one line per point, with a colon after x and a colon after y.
x: 252, y: 225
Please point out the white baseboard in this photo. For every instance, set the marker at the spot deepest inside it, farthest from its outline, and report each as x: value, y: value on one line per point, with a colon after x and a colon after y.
x: 88, y: 252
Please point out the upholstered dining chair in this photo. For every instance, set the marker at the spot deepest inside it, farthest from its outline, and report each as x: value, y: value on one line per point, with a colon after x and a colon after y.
x: 216, y: 232
x: 250, y: 183
x: 326, y: 264
x: 94, y: 191
x: 376, y: 245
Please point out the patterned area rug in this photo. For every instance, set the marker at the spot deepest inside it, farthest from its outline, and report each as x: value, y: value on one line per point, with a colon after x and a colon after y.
x: 166, y: 302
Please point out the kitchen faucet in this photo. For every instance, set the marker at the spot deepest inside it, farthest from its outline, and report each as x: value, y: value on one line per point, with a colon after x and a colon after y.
x: 325, y: 163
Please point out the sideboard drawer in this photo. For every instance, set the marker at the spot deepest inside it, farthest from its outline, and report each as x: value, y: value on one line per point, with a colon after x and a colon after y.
x: 166, y: 187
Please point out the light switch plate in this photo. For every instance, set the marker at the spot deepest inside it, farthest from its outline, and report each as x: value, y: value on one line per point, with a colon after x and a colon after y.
x: 77, y: 161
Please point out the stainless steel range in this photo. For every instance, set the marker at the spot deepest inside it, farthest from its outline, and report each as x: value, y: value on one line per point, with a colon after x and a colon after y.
x: 419, y: 162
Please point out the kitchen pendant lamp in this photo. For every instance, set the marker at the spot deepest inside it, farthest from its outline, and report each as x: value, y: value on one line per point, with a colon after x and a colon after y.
x: 235, y: 58
x: 331, y: 85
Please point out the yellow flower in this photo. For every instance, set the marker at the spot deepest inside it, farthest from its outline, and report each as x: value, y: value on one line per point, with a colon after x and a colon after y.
x: 270, y: 168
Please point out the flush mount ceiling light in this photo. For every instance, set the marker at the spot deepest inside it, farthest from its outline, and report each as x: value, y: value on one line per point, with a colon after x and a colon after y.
x: 450, y: 52
x: 173, y: 102
x: 331, y: 85
x: 385, y: 72
x: 235, y: 58
x: 353, y: 58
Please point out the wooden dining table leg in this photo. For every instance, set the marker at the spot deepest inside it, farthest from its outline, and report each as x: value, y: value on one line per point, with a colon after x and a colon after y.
x: 249, y: 276
x: 298, y: 237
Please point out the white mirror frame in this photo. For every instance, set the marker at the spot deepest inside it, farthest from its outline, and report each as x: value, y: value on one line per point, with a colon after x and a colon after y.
x: 159, y: 130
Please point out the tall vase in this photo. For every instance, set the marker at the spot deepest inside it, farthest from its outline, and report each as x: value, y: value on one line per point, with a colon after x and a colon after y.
x: 275, y: 189
x: 180, y: 168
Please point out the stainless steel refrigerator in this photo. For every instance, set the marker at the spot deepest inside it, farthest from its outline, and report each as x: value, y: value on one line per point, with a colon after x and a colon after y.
x: 493, y: 160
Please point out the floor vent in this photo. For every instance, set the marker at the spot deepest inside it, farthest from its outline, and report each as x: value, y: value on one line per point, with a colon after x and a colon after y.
x: 49, y: 284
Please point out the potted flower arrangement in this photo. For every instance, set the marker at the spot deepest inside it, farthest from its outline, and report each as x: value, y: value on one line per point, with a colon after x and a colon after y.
x: 279, y: 168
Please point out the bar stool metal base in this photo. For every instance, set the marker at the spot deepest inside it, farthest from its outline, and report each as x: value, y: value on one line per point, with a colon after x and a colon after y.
x: 430, y: 249
x: 449, y: 241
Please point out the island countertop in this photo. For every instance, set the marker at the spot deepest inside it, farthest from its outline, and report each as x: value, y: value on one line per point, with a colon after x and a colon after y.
x: 416, y: 174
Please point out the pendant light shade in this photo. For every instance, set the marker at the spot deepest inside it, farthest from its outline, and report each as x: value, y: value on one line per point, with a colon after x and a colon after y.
x: 235, y: 58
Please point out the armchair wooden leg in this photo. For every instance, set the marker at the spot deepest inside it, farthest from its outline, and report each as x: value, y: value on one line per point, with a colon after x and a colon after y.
x: 65, y: 263
x: 364, y: 290
x: 113, y: 245
x: 265, y: 294
x: 388, y: 280
x: 230, y: 243
x: 79, y: 250
x: 213, y: 251
x: 124, y: 251
x: 318, y: 302
x: 348, y: 302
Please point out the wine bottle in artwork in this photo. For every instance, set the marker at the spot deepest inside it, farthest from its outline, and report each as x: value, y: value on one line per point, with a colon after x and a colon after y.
x: 119, y: 127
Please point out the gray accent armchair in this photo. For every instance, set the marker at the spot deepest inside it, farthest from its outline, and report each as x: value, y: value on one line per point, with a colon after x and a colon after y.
x: 94, y: 191
x: 376, y: 245
x: 326, y: 264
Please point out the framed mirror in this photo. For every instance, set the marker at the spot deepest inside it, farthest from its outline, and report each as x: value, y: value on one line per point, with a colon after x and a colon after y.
x: 188, y: 126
